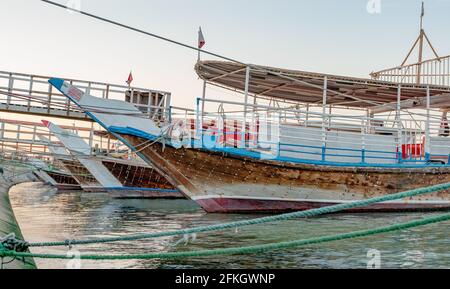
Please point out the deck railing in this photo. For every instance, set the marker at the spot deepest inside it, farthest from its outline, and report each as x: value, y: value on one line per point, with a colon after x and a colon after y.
x: 24, y: 137
x: 27, y: 93
x: 432, y: 72
x: 293, y: 134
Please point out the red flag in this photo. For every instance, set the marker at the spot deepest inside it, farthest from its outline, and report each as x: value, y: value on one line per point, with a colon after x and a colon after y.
x: 130, y: 78
x: 201, y: 39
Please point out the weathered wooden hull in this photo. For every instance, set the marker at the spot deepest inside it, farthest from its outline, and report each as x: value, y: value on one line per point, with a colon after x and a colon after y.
x: 67, y: 188
x: 63, y: 182
x: 145, y: 194
x: 236, y: 205
x: 224, y: 183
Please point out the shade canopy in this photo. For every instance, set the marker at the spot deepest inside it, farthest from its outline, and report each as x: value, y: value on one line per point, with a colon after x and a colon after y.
x: 308, y: 87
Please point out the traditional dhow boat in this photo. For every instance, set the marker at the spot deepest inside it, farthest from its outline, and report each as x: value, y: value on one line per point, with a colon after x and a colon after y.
x: 307, y: 140
x: 126, y: 179
x: 299, y: 140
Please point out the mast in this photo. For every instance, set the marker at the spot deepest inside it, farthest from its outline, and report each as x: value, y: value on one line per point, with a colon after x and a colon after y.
x: 420, y: 42
x: 421, y: 36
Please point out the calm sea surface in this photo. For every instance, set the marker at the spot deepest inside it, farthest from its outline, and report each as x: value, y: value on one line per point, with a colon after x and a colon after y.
x: 45, y: 215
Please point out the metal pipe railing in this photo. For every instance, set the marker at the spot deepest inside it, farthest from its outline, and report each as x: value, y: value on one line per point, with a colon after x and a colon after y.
x: 34, y: 92
x: 403, y: 137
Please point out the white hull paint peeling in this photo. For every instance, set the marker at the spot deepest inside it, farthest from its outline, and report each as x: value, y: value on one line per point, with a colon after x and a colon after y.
x: 313, y: 195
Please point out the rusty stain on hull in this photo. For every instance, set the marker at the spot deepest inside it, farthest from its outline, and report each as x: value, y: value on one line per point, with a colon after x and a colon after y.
x: 195, y: 171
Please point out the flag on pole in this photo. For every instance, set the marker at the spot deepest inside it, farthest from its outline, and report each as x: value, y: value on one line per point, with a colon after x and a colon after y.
x: 201, y: 39
x: 423, y: 9
x: 130, y: 78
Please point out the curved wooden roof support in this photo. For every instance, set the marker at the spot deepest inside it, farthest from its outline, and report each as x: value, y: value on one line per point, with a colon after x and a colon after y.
x: 307, y: 87
x: 437, y: 101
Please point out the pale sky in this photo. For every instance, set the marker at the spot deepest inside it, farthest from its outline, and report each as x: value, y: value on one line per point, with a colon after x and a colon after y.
x: 328, y: 36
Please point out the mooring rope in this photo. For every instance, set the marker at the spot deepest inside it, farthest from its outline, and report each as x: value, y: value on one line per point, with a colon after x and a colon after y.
x: 10, y: 243
x: 244, y: 249
x: 219, y: 227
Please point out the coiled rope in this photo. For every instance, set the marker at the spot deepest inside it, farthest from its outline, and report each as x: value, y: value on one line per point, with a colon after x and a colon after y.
x: 218, y: 227
x: 242, y: 250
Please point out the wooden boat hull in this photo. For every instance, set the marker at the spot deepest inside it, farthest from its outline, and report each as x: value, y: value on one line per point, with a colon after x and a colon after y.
x: 63, y: 182
x: 236, y: 205
x: 67, y: 188
x: 221, y: 179
x: 225, y: 183
x: 136, y: 193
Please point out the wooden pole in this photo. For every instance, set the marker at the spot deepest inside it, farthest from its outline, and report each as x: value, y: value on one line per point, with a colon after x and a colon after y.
x: 419, y: 64
x: 421, y: 37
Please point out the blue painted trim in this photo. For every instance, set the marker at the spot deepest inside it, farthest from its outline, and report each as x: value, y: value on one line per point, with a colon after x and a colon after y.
x: 339, y: 155
x: 414, y: 161
x: 330, y: 148
x: 399, y: 156
x: 257, y: 155
x: 279, y: 150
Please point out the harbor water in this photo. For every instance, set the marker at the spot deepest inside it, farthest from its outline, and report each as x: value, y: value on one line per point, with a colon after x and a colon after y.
x: 45, y: 215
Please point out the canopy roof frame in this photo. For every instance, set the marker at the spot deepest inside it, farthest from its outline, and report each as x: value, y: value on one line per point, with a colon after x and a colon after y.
x: 306, y: 87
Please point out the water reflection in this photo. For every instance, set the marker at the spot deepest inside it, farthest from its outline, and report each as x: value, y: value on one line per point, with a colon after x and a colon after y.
x: 46, y: 215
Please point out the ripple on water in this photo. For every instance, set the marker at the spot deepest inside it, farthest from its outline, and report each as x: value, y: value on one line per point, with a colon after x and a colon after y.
x: 45, y: 215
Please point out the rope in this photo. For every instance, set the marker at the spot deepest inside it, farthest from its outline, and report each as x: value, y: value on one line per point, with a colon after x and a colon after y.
x: 244, y: 250
x: 218, y: 227
x: 161, y: 137
x: 141, y: 31
x: 11, y: 243
x: 272, y: 71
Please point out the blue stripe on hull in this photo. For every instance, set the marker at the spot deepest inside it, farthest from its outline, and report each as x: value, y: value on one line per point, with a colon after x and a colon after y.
x: 256, y: 155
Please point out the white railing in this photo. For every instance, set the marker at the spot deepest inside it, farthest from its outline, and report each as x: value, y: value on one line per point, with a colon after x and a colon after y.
x: 315, y: 136
x: 432, y: 72
x: 25, y: 137
x: 29, y: 93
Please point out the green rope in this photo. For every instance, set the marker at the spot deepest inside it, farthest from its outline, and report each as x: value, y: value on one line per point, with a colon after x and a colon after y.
x: 302, y: 214
x: 244, y: 250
